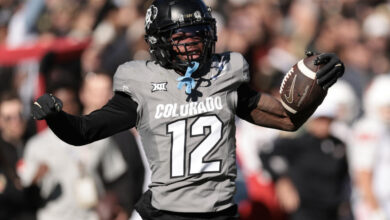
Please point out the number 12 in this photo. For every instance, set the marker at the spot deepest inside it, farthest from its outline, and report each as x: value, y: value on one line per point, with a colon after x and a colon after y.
x: 197, y: 164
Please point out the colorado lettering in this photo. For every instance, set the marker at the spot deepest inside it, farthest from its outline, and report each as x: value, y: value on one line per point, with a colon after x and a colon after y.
x: 192, y: 108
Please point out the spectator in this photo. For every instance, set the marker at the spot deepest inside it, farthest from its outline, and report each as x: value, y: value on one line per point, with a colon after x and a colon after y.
x: 311, y: 170
x: 16, y: 202
x: 370, y: 154
x: 69, y: 177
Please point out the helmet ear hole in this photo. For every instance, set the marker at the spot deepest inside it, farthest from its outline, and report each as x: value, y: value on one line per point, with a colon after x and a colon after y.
x: 160, y: 56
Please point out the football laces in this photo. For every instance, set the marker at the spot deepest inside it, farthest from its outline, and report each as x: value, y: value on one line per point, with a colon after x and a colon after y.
x: 286, y: 77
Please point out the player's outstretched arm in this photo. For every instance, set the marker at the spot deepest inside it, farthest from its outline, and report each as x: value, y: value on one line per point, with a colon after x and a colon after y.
x: 117, y: 115
x: 265, y: 110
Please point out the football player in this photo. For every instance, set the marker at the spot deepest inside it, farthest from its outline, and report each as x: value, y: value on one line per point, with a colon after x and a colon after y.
x: 183, y: 103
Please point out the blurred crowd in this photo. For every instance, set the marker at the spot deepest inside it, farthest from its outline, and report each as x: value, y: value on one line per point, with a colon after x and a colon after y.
x: 335, y: 167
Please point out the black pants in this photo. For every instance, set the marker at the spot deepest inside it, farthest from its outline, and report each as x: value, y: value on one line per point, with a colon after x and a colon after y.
x: 310, y: 213
x: 148, y: 212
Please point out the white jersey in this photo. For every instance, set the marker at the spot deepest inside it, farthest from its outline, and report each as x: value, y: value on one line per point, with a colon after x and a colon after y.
x: 370, y: 150
x: 250, y: 144
x: 74, y: 170
x: 189, y: 140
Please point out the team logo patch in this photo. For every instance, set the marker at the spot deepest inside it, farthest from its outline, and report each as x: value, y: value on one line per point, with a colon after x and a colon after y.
x: 198, y: 15
x: 151, y: 15
x: 161, y: 86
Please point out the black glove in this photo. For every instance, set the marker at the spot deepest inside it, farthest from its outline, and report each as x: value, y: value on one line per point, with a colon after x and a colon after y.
x: 46, y: 105
x: 331, y: 70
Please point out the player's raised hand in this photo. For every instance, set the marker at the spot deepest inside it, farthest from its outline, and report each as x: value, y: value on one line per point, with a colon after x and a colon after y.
x: 332, y: 68
x: 45, y: 106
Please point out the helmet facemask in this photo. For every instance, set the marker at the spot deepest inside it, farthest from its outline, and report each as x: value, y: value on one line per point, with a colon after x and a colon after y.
x: 165, y: 18
x: 183, y: 54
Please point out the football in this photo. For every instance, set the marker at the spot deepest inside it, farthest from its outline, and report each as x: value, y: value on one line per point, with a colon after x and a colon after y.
x: 299, y: 90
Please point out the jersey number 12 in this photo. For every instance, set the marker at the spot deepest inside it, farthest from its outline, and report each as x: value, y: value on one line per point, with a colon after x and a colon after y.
x: 197, y: 164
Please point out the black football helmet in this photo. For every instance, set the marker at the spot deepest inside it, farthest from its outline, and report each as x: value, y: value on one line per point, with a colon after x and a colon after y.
x: 166, y: 17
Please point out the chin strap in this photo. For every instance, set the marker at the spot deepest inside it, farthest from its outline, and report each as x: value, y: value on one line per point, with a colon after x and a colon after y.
x: 187, y: 79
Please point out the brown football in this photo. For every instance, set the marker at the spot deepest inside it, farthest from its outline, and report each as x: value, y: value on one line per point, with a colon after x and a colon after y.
x: 299, y: 89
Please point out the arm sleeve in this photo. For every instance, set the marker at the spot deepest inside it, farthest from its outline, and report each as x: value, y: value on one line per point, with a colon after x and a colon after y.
x: 247, y: 101
x: 119, y: 114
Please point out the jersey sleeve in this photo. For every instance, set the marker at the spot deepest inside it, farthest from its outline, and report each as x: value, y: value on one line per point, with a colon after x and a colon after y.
x: 127, y: 79
x: 246, y: 98
x: 363, y: 144
x: 117, y: 115
x: 245, y: 71
x: 240, y: 69
x: 239, y: 75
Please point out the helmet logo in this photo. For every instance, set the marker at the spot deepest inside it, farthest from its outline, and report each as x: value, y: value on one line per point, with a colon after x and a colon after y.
x: 161, y: 86
x: 151, y: 15
x: 198, y: 15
